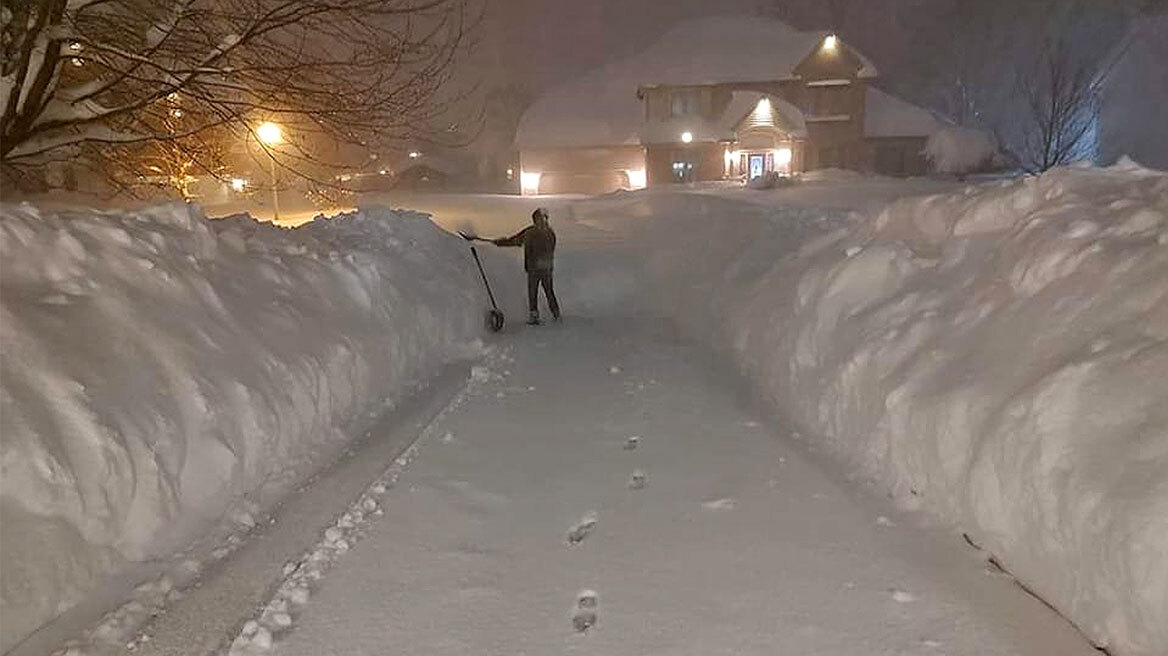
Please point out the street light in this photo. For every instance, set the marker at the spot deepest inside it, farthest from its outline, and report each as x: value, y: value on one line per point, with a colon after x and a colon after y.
x: 271, y: 134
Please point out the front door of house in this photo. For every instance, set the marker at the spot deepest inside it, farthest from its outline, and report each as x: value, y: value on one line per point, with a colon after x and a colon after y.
x: 757, y: 166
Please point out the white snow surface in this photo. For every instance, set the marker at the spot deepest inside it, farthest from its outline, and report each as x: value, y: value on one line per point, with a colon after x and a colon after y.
x: 885, y: 115
x: 960, y: 149
x: 163, y: 372
x: 996, y: 356
x: 601, y: 108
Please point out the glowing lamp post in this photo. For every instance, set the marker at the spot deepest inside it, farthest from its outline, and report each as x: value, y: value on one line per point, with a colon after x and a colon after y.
x: 271, y: 134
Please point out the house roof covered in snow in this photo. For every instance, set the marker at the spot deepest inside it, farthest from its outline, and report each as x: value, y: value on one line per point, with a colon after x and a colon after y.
x: 886, y: 115
x: 602, y: 107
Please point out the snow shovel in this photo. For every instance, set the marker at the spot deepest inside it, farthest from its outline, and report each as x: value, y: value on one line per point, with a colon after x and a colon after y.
x: 494, y: 315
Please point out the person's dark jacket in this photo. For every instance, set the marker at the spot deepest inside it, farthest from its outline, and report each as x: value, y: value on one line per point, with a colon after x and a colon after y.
x: 539, y: 247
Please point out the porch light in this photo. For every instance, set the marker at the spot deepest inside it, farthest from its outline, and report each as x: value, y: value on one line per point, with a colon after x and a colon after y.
x: 783, y: 156
x: 686, y: 137
x: 238, y: 184
x: 637, y: 179
x: 529, y: 182
x: 829, y: 42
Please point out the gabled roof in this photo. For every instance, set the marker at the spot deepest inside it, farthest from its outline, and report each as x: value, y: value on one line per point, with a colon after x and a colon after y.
x: 886, y: 115
x: 602, y: 108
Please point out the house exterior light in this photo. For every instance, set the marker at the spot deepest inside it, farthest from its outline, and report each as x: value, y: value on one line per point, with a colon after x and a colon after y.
x: 829, y: 42
x: 529, y: 182
x: 415, y: 154
x: 686, y: 137
x: 238, y: 184
x: 637, y: 178
x: 783, y: 156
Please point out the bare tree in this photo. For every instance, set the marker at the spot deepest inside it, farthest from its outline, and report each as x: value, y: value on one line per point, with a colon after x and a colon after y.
x: 1062, y: 107
x: 115, y: 84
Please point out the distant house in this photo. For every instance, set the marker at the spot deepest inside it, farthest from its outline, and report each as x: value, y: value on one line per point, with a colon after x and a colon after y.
x: 720, y: 98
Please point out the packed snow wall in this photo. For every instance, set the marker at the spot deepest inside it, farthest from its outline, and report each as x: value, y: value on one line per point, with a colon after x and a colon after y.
x: 997, y: 356
x: 158, y: 367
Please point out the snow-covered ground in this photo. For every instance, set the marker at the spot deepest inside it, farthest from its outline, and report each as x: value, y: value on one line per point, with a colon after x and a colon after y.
x: 992, y: 354
x: 599, y: 491
x: 164, y: 375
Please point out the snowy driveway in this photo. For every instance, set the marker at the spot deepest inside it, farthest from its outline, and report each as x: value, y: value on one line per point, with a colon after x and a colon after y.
x: 737, y: 543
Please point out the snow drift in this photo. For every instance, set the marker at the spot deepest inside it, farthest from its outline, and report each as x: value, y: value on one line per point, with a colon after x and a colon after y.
x: 158, y: 368
x: 998, y: 356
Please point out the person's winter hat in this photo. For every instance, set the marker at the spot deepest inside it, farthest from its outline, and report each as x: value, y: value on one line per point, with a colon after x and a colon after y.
x: 539, y: 213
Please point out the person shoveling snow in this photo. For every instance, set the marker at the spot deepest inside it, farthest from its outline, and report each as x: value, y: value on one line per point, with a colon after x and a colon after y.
x: 539, y: 249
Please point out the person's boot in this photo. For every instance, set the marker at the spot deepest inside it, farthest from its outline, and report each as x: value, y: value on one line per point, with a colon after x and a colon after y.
x: 533, y: 319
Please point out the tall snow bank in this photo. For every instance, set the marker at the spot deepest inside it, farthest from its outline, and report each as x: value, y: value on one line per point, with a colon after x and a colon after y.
x: 960, y: 150
x: 998, y: 356
x: 157, y: 367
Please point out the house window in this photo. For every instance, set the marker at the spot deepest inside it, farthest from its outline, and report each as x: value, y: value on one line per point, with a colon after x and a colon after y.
x: 827, y: 101
x: 828, y: 158
x: 682, y: 171
x: 685, y: 102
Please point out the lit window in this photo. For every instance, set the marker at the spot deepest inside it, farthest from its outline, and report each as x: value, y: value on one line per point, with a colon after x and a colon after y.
x: 637, y: 179
x: 529, y: 182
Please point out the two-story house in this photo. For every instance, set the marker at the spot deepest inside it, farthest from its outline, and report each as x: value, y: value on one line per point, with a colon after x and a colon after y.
x: 720, y: 98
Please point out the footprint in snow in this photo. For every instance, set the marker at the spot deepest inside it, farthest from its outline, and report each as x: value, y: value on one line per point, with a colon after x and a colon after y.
x: 584, y: 616
x: 637, y: 480
x: 900, y: 596
x: 725, y: 503
x: 582, y: 528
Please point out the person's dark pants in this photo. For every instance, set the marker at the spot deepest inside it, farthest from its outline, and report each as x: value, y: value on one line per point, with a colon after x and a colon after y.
x: 534, y: 280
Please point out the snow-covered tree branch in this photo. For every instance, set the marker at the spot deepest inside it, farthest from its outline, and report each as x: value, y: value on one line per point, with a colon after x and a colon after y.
x: 105, y: 79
